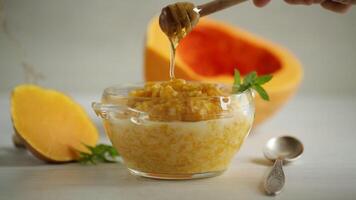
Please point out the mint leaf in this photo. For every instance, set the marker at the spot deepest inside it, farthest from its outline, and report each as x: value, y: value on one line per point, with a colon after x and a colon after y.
x: 253, y: 81
x: 99, y: 153
x: 250, y: 78
x: 237, y: 78
x: 262, y: 92
x: 263, y: 79
x: 237, y: 81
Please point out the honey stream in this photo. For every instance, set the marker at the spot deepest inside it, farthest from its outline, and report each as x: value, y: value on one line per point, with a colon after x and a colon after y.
x: 176, y: 21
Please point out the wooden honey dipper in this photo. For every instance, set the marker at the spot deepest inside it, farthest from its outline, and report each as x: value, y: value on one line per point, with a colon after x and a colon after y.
x: 178, y: 19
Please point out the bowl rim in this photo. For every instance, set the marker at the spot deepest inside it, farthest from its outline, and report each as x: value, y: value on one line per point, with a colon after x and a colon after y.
x: 113, y: 91
x: 114, y: 99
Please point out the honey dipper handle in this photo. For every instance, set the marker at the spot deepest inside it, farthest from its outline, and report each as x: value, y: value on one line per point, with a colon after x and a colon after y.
x: 216, y: 5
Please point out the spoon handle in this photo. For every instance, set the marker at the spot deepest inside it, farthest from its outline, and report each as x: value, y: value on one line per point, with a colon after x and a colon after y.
x: 275, y: 179
x: 216, y: 5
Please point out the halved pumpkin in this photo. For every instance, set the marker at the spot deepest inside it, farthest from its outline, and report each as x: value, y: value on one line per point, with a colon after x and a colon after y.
x: 214, y: 49
x: 50, y: 124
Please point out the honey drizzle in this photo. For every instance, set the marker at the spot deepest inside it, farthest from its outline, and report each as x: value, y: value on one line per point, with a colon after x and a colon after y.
x: 172, y: 59
x: 176, y: 21
x: 174, y: 42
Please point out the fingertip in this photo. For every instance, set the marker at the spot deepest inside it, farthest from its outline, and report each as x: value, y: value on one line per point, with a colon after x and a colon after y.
x: 335, y: 7
x: 261, y: 3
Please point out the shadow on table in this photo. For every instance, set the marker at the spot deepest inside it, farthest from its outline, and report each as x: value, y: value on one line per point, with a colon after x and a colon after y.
x: 268, y: 164
x: 12, y: 157
x: 261, y: 161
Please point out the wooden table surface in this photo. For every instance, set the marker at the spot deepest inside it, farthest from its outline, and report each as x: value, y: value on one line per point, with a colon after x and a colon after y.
x: 327, y: 169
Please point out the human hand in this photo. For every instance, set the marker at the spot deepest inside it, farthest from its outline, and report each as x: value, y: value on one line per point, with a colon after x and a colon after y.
x: 340, y: 6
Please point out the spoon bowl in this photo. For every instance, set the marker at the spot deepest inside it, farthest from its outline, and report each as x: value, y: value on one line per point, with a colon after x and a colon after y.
x: 286, y: 148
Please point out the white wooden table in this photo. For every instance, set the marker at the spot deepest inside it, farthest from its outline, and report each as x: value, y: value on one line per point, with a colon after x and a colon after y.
x: 327, y: 170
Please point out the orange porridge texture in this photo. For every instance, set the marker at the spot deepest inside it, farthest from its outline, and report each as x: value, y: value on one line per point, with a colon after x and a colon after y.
x: 179, y: 100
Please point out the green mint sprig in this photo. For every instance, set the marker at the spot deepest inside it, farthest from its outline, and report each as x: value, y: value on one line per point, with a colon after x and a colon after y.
x: 100, y: 153
x: 253, y: 81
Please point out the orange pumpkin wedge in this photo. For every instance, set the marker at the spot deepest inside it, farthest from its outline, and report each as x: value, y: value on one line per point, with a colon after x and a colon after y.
x: 50, y: 124
x: 214, y: 49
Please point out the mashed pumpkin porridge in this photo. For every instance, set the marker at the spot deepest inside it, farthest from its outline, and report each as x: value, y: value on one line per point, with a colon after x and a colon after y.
x: 177, y: 128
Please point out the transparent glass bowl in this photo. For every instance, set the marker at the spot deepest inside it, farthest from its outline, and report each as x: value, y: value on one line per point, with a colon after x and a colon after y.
x: 177, y: 147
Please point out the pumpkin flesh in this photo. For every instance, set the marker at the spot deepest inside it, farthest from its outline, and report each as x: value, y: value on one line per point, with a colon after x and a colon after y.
x: 212, y: 52
x: 52, y: 126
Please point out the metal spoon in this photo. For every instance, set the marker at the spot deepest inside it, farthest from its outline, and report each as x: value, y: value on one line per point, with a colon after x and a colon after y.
x: 279, y: 149
x: 185, y: 15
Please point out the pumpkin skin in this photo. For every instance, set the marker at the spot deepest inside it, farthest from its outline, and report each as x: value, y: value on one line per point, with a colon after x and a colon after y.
x: 214, y: 49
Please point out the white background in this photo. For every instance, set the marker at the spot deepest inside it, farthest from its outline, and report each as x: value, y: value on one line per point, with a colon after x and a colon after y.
x: 83, y: 46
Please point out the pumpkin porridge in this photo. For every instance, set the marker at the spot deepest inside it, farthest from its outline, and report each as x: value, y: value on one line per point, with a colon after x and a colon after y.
x: 178, y: 127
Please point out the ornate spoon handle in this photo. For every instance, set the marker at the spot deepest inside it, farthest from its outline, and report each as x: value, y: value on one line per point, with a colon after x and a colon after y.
x: 275, y: 179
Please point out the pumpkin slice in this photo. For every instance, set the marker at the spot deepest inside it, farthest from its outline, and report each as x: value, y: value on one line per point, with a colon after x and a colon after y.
x: 214, y: 49
x: 50, y: 124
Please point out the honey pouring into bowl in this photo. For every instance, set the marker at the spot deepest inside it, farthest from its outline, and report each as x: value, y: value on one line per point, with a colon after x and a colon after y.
x: 179, y: 129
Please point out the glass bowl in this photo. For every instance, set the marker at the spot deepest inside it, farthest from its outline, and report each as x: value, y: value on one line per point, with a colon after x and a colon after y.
x: 167, y: 144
